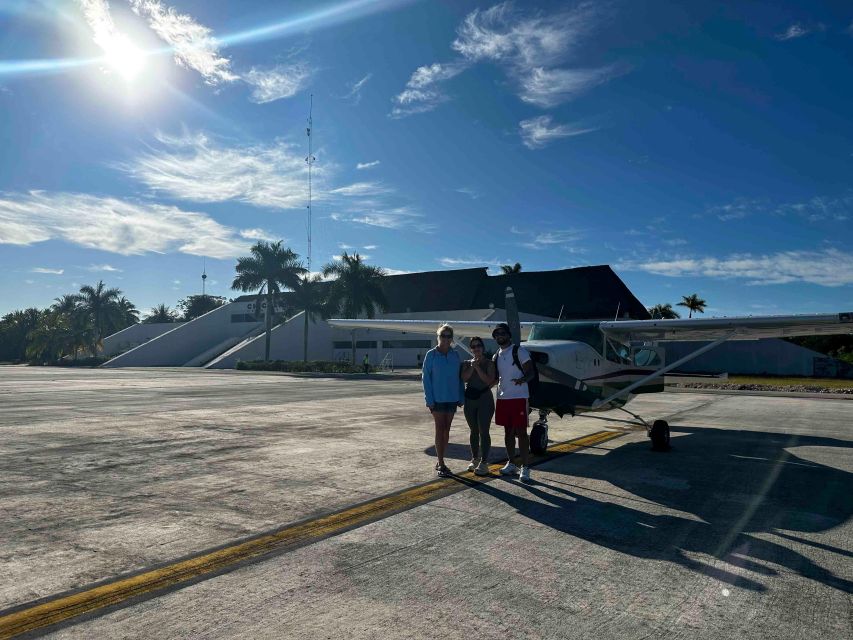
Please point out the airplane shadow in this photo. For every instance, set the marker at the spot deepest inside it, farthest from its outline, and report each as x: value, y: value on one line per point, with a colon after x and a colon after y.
x: 732, y: 484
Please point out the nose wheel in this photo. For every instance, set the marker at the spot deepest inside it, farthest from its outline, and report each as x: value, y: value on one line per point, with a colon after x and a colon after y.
x: 539, y: 434
x: 659, y: 435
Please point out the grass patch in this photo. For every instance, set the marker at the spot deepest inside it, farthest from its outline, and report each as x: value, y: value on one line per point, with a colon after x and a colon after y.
x: 771, y: 381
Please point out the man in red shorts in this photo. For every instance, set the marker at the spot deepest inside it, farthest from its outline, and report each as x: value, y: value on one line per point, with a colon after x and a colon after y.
x: 514, y: 370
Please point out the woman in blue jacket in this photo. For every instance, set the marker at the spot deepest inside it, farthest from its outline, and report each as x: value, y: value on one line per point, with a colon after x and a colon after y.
x: 444, y: 390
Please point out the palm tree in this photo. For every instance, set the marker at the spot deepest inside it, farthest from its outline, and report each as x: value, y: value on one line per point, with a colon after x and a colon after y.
x: 129, y: 312
x: 270, y: 267
x: 514, y: 268
x: 17, y: 326
x: 47, y: 340
x: 66, y: 304
x: 357, y: 288
x: 311, y: 297
x: 160, y: 313
x: 100, y: 303
x: 694, y: 303
x: 664, y: 311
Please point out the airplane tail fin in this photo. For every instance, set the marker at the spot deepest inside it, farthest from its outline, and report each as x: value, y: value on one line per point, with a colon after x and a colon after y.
x: 512, y: 316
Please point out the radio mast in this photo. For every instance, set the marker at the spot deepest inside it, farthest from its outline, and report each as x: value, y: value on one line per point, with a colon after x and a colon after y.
x: 310, y: 162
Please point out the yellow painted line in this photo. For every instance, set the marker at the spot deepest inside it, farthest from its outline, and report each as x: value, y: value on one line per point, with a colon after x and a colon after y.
x: 63, y: 608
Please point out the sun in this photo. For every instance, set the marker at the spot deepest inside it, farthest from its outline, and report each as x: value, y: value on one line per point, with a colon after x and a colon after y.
x: 124, y: 57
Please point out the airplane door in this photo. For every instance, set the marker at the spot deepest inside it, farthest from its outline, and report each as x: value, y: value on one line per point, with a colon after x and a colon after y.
x: 648, y: 356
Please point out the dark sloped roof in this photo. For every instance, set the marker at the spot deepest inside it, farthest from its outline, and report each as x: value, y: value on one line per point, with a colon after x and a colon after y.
x: 585, y: 293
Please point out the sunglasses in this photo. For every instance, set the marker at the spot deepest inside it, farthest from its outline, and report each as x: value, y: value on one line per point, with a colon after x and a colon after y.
x: 449, y: 336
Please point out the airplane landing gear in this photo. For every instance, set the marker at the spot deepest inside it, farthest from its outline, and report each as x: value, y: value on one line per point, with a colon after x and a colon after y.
x: 659, y: 435
x: 539, y: 434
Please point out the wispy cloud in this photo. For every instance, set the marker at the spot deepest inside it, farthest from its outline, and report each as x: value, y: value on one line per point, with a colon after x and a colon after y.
x: 114, y: 43
x: 529, y: 45
x: 390, y: 217
x: 422, y: 92
x: 56, y: 272
x: 193, y: 44
x: 354, y: 93
x: 815, y: 209
x: 472, y: 262
x: 118, y: 226
x: 798, y: 30
x: 103, y: 267
x: 468, y: 191
x: 282, y: 81
x: 197, y: 168
x: 829, y: 268
x: 360, y: 189
x: 367, y: 165
x: 565, y: 239
x: 538, y: 132
x: 259, y: 234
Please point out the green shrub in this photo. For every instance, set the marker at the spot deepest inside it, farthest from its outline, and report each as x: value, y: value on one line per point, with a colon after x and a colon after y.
x: 312, y: 366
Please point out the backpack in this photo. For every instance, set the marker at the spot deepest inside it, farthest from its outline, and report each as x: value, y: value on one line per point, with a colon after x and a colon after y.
x: 533, y: 383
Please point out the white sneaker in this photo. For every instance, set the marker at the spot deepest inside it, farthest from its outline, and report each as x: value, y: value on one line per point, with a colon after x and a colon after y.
x: 482, y: 469
x: 509, y: 469
x: 524, y: 476
x: 473, y: 464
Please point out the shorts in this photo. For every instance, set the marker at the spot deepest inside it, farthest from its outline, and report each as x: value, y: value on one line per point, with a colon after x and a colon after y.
x: 444, y: 407
x: 511, y: 414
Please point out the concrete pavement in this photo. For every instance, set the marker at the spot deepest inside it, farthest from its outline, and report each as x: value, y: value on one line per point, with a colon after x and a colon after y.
x: 742, y: 529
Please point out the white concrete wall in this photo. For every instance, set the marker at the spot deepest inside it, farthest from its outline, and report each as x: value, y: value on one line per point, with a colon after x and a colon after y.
x: 188, y: 340
x: 134, y: 335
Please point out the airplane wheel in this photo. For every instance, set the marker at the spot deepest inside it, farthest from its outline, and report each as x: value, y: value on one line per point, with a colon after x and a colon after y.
x: 659, y: 434
x: 539, y: 438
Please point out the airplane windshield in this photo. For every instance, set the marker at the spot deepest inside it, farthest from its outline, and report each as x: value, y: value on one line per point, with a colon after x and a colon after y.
x: 586, y: 332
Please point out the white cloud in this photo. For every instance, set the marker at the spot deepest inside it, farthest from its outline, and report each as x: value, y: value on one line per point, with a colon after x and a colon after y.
x: 114, y: 225
x: 115, y: 44
x: 370, y: 247
x: 421, y: 93
x: 538, y: 132
x: 468, y: 191
x: 796, y: 30
x: 360, y: 189
x: 102, y: 267
x: 56, y: 272
x: 472, y: 262
x: 550, y: 87
x: 193, y: 44
x: 388, y: 218
x: 816, y: 209
x: 354, y: 93
x: 282, y: 81
x: 193, y: 167
x: 557, y: 238
x: 528, y: 46
x: 367, y: 165
x: 829, y: 268
x: 258, y: 234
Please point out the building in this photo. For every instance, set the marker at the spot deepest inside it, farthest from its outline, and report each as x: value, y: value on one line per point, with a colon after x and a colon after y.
x: 235, y: 331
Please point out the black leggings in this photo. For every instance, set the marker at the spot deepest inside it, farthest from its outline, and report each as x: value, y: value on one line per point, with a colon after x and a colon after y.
x: 478, y: 414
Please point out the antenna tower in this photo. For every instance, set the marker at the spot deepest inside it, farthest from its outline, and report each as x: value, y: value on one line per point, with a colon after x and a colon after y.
x: 204, y: 278
x: 310, y: 161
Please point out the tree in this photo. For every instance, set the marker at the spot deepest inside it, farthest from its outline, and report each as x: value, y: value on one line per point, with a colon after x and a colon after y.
x: 272, y: 268
x: 311, y: 297
x: 514, y: 268
x: 160, y: 313
x: 47, y: 341
x: 663, y: 311
x: 15, y: 328
x: 102, y: 306
x: 129, y: 312
x: 357, y: 288
x: 694, y: 303
x: 197, y: 305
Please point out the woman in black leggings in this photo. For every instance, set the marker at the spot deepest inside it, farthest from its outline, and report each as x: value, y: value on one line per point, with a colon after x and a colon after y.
x: 479, y: 376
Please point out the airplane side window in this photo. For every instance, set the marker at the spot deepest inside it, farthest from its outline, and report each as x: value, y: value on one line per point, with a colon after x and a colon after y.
x: 617, y: 353
x: 646, y: 358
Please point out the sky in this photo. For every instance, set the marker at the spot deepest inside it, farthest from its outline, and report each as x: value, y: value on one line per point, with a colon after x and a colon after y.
x: 701, y: 147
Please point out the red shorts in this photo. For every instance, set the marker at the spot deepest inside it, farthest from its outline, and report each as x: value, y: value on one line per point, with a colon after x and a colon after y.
x: 511, y: 414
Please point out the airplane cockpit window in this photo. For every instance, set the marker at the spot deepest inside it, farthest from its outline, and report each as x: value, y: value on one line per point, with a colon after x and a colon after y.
x: 617, y: 353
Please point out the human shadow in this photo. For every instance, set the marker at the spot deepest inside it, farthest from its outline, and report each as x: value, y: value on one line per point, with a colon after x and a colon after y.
x: 731, y: 484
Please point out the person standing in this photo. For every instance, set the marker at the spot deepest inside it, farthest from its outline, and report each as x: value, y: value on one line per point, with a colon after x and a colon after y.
x: 444, y: 391
x: 479, y: 376
x: 514, y: 369
x: 366, y: 363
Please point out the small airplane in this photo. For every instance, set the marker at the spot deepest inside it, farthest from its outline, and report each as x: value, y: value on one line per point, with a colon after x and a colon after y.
x: 600, y: 365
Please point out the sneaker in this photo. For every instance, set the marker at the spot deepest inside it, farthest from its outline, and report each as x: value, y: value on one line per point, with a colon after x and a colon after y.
x: 473, y: 464
x: 524, y: 476
x: 482, y: 469
x: 509, y: 469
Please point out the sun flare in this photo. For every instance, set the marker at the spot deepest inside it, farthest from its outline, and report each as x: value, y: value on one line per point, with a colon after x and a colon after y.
x: 124, y: 57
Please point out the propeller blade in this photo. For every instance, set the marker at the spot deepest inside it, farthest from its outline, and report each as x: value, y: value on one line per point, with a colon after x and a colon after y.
x: 512, y: 316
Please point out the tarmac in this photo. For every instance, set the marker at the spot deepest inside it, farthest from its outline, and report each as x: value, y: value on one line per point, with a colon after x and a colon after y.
x: 271, y: 506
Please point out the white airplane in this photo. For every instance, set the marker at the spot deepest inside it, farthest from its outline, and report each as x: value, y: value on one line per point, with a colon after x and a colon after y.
x: 601, y: 365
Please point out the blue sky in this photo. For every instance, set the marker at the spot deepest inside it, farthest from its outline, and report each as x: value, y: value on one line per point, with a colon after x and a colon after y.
x: 695, y: 147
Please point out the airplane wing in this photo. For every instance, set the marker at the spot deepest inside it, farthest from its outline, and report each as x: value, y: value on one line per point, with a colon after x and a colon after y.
x: 461, y: 328
x: 746, y: 328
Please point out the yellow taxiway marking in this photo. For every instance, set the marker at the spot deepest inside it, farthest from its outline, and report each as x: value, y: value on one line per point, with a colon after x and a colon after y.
x: 62, y: 608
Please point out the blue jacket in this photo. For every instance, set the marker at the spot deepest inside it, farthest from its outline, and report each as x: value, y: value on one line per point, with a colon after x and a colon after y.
x: 442, y: 382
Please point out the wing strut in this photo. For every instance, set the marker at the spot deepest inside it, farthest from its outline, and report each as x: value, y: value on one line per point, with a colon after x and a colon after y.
x: 661, y: 371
